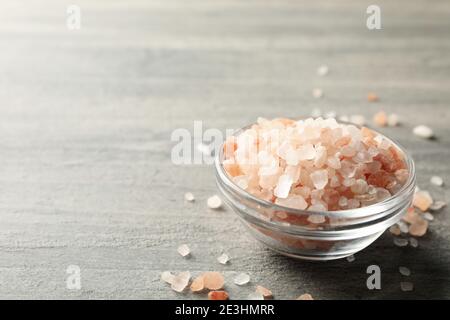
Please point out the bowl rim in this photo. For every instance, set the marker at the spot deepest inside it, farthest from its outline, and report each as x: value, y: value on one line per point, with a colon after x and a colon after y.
x: 360, y: 212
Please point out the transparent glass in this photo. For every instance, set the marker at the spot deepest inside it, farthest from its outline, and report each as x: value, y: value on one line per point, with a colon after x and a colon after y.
x: 288, y: 231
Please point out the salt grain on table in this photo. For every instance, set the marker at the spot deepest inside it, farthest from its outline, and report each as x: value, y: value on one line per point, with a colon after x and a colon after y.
x: 223, y: 259
x: 380, y: 119
x: 266, y: 293
x: 188, y: 196
x: 255, y: 296
x: 198, y: 285
x: 218, y: 295
x: 437, y: 205
x: 213, y: 280
x: 436, y: 180
x: 322, y: 70
x: 305, y: 296
x: 184, y: 250
x: 400, y: 242
x: 214, y: 202
x: 317, y: 93
x: 423, y: 132
x: 413, y: 242
x: 242, y: 279
x: 372, y: 97
x: 351, y: 258
x: 406, y: 286
x: 181, y: 281
x: 404, y: 271
x: 418, y: 228
x: 167, y: 277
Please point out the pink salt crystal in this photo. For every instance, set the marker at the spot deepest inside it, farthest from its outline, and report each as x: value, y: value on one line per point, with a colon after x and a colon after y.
x: 321, y: 157
x: 306, y: 152
x: 437, y: 205
x: 316, y: 218
x: 283, y: 186
x: 319, y: 178
x: 167, y: 277
x: 305, y: 296
x: 359, y: 187
x: 422, y: 200
x: 343, y: 202
x: 418, y: 228
x: 317, y: 93
x: 380, y: 119
x: 241, y: 181
x: 181, y: 281
x: 294, y: 201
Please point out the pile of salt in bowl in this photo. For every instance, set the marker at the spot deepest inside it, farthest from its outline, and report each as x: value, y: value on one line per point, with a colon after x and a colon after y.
x: 314, y: 164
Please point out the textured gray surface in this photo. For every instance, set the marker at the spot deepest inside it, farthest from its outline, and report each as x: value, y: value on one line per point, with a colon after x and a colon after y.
x: 86, y: 117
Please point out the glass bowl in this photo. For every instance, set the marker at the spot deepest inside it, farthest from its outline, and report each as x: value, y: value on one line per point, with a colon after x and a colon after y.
x: 333, y: 235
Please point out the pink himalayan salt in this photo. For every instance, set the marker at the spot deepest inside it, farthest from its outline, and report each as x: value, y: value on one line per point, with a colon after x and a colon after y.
x: 315, y: 164
x: 422, y: 200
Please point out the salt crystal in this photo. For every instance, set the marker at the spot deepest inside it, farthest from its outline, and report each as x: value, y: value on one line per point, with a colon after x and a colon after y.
x: 266, y: 293
x: 294, y: 201
x: 372, y: 97
x: 404, y: 271
x: 316, y: 218
x: 283, y: 187
x: 403, y: 227
x: 395, y: 230
x: 306, y: 152
x: 214, y: 202
x: 351, y: 258
x: 218, y: 295
x: 223, y: 258
x: 198, y: 285
x: 317, y: 93
x: 418, y: 228
x: 428, y: 216
x: 413, y: 242
x: 438, y: 181
x: 188, y: 196
x: 319, y: 178
x: 406, y: 286
x: 380, y: 119
x: 316, y: 112
x: 343, y: 202
x: 322, y: 70
x: 400, y: 242
x: 184, y: 250
x: 392, y: 120
x: 305, y: 296
x: 167, y: 276
x: 213, y: 280
x: 242, y: 279
x: 437, y: 205
x: 422, y: 200
x: 255, y: 296
x: 181, y: 281
x: 423, y: 132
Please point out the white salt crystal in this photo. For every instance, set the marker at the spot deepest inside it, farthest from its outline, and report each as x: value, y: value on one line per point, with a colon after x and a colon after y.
x: 306, y: 152
x: 404, y: 271
x: 223, y: 258
x: 188, y: 196
x: 428, y: 216
x: 403, y: 226
x: 181, y: 281
x: 184, y: 250
x: 319, y: 178
x: 242, y: 279
x: 322, y: 70
x: 214, y: 202
x: 317, y: 93
x: 400, y: 242
x: 283, y: 186
x: 343, y: 202
x: 406, y: 286
x: 392, y: 120
x: 316, y: 218
x: 167, y: 277
x: 295, y: 201
x: 330, y: 114
x: 423, y: 132
x: 438, y: 181
x: 351, y: 258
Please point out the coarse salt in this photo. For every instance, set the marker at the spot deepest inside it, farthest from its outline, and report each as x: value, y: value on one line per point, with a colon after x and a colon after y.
x: 242, y: 279
x: 214, y: 202
x: 223, y: 258
x: 423, y: 132
x: 184, y: 250
x: 437, y: 181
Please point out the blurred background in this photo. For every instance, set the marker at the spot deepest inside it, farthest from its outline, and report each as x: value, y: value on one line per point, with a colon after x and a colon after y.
x: 86, y: 116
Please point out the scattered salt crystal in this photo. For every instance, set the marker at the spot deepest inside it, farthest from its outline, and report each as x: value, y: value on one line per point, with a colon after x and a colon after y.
x: 423, y: 132
x: 242, y: 279
x: 181, y: 281
x: 198, y: 285
x: 188, y: 196
x: 380, y: 119
x: 330, y: 114
x: 395, y: 230
x: 213, y: 280
x: 400, y: 242
x: 223, y: 258
x: 418, y: 228
x: 184, y: 250
x: 317, y: 93
x: 422, y: 200
x: 214, y: 202
x: 404, y: 271
x: 437, y: 205
x: 218, y: 295
x: 372, y: 97
x: 428, y: 216
x: 406, y: 286
x: 294, y: 201
x: 266, y: 293
x: 255, y: 296
x: 392, y: 120
x: 322, y: 70
x: 438, y: 181
x: 167, y: 276
x: 351, y: 258
x: 413, y: 242
x: 403, y: 226
x: 306, y: 152
x: 305, y: 296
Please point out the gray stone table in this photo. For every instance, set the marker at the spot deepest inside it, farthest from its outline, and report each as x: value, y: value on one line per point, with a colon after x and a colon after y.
x: 86, y: 117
